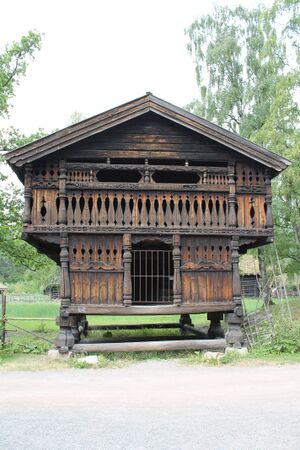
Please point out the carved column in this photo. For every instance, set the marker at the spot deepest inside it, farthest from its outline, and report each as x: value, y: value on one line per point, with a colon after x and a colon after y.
x: 236, y: 282
x: 268, y: 200
x: 234, y: 335
x: 127, y: 259
x: 27, y: 194
x: 177, y: 288
x: 62, y: 193
x: 65, y: 287
x: 65, y: 339
x: 232, y: 219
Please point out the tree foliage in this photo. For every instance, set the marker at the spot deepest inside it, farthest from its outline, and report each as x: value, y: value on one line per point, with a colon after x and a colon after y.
x: 247, y: 69
x: 13, y: 64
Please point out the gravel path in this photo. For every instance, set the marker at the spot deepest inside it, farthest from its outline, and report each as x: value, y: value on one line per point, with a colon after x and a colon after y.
x: 152, y: 405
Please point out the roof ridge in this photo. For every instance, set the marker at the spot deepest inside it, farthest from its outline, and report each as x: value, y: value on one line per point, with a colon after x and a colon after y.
x: 132, y: 109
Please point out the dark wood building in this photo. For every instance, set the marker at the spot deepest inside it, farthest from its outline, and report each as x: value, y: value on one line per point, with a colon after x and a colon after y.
x: 146, y: 208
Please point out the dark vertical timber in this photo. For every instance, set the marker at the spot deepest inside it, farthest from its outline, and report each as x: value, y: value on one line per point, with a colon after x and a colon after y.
x: 127, y: 260
x: 27, y: 194
x: 65, y: 339
x: 236, y: 281
x: 177, y: 287
x: 234, y: 335
x: 232, y: 197
x: 62, y: 193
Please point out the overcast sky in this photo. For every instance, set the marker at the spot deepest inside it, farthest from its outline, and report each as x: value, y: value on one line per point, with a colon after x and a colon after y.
x: 98, y: 54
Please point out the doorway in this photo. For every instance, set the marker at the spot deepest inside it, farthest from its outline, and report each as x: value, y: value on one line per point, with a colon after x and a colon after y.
x: 152, y: 272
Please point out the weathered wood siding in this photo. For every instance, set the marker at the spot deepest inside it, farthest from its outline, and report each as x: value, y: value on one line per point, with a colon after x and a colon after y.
x: 206, y: 270
x: 96, y: 269
x: 148, y: 136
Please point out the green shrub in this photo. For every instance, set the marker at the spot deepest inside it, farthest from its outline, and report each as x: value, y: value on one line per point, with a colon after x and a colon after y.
x: 285, y: 338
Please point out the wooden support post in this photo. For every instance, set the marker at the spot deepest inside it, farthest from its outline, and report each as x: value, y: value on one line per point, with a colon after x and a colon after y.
x: 27, y: 194
x: 236, y: 281
x: 177, y: 287
x: 232, y: 219
x: 65, y: 287
x: 127, y: 259
x: 268, y: 200
x: 234, y: 335
x: 62, y: 193
x: 215, y: 330
x: 65, y: 339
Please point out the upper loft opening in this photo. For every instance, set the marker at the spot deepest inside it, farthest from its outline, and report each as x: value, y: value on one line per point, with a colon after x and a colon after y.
x: 176, y: 177
x: 116, y: 176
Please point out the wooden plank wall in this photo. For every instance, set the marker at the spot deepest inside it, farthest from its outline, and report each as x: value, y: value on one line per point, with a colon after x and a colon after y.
x: 96, y: 270
x: 206, y: 269
x: 146, y: 137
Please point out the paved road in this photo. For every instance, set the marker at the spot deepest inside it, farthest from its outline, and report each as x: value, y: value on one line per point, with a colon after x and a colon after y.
x: 152, y: 405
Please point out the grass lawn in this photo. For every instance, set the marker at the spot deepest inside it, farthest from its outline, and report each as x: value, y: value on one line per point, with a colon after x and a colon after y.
x: 26, y: 352
x: 50, y: 310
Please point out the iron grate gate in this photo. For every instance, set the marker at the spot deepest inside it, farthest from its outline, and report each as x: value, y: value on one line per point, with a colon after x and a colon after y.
x: 152, y: 276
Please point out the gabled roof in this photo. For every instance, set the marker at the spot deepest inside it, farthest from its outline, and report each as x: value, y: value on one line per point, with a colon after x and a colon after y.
x: 148, y: 103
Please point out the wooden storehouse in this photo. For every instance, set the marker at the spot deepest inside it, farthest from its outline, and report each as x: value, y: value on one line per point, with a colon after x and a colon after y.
x: 146, y: 208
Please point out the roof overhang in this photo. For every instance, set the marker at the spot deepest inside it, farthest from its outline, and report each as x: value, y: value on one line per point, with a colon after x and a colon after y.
x: 128, y: 111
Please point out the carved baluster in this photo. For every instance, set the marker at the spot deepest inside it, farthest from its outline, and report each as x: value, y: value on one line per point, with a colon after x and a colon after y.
x: 214, y: 212
x: 103, y: 210
x: 95, y: 213
x: 207, y: 217
x: 232, y: 197
x: 221, y: 212
x: 268, y: 200
x: 192, y: 213
x: 152, y: 216
x: 135, y: 211
x: 111, y: 210
x: 27, y: 194
x: 127, y: 259
x: 168, y: 215
x: 254, y: 220
x: 160, y: 212
x: 119, y: 212
x: 86, y: 212
x: 176, y: 212
x: 69, y: 210
x: 92, y: 208
x: 177, y: 288
x: 77, y: 212
x: 127, y: 212
x: 184, y: 213
x: 199, y: 217
x: 144, y: 214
